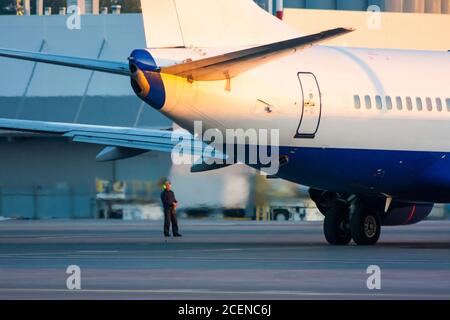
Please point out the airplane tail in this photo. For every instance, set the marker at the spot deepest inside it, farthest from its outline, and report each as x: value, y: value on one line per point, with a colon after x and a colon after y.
x: 211, y: 23
x: 250, y: 36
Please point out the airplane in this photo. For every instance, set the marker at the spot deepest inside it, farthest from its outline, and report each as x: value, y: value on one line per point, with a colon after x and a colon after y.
x: 365, y: 129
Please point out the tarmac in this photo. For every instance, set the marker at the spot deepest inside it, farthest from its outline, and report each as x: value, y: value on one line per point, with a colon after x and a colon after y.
x: 218, y: 260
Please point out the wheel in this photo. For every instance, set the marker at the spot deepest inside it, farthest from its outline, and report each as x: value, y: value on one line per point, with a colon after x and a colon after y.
x: 280, y: 214
x: 280, y: 217
x: 365, y: 225
x: 336, y: 225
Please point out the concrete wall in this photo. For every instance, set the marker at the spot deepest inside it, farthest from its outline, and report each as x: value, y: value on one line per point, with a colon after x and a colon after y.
x: 59, y: 161
x: 47, y: 177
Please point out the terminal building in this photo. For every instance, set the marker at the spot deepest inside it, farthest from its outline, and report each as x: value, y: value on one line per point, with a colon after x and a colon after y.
x: 45, y: 177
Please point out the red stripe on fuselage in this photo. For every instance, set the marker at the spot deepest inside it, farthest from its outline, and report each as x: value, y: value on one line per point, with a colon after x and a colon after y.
x: 411, y: 215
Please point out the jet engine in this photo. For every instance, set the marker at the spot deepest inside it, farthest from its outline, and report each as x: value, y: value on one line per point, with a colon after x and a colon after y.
x: 400, y: 213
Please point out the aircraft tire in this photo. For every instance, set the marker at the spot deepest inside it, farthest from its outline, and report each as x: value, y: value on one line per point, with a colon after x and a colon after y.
x: 335, y: 226
x: 365, y: 225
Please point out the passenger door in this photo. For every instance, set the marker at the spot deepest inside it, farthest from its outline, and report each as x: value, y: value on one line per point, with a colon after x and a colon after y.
x: 311, y: 106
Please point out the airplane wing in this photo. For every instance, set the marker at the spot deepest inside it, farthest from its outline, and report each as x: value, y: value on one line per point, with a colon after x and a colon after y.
x: 73, y: 62
x: 121, y: 142
x: 231, y: 64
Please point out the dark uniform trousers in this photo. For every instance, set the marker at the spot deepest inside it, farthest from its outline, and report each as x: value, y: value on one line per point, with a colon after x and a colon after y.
x: 170, y: 217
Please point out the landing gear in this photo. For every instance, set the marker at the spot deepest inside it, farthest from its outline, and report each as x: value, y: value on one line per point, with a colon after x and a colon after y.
x: 348, y: 217
x: 324, y: 200
x: 365, y: 225
x: 336, y: 226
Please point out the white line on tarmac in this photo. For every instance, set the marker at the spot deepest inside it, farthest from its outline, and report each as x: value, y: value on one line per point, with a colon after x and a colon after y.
x: 97, y: 251
x: 214, y: 259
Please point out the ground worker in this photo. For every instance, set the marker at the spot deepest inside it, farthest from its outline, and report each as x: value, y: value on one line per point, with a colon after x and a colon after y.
x: 170, y: 204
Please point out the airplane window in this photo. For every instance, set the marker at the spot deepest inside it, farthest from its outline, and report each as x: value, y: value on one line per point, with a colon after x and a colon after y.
x: 439, y: 104
x: 379, y: 103
x: 389, y: 103
x: 448, y: 104
x: 419, y: 104
x: 357, y: 101
x: 399, y: 103
x: 368, y: 102
x: 409, y: 104
x: 429, y: 104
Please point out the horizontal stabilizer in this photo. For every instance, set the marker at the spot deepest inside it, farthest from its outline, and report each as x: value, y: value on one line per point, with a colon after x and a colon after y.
x: 220, y: 67
x: 234, y: 63
x: 74, y: 62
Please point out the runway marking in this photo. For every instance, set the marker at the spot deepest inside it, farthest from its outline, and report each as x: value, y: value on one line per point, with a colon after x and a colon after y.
x: 300, y: 260
x: 227, y: 292
x: 219, y: 250
x: 37, y: 254
x: 139, y: 256
x: 97, y: 251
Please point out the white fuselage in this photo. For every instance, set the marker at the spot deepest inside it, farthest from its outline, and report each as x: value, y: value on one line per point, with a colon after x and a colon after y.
x: 341, y: 74
x: 354, y: 120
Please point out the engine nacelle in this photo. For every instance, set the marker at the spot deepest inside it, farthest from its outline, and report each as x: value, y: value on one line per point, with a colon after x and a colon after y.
x: 401, y: 213
x: 406, y: 213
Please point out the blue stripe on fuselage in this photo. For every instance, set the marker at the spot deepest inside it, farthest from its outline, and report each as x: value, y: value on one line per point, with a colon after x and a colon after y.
x: 409, y: 175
